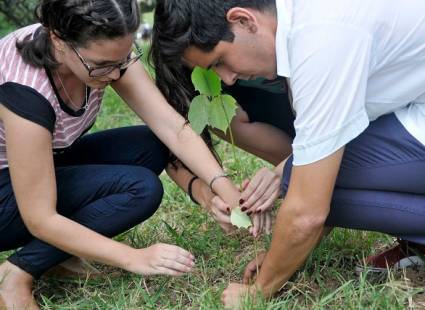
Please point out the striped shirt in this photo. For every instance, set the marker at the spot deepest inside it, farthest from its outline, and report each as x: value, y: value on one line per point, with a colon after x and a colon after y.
x: 14, y: 73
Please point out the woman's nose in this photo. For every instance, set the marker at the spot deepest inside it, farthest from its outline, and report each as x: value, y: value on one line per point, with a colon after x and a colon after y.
x: 115, y: 74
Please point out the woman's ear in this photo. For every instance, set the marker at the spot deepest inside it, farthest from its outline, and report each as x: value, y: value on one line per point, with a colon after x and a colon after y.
x: 58, y: 43
x: 244, y: 18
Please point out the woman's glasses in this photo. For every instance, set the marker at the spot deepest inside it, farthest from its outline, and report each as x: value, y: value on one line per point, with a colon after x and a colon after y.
x: 105, y: 70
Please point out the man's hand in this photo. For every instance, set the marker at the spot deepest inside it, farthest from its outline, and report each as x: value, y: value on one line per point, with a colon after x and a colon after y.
x: 251, y: 269
x: 300, y: 221
x: 233, y: 294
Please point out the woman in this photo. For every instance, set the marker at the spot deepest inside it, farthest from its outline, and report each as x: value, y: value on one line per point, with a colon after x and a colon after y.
x: 62, y: 193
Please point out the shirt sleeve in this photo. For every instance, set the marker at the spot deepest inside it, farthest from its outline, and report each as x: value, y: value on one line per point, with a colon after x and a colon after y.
x: 329, y: 71
x: 28, y: 103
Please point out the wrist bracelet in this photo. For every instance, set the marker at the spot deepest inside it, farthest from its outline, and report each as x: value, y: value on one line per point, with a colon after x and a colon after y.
x: 218, y: 176
x: 189, y: 190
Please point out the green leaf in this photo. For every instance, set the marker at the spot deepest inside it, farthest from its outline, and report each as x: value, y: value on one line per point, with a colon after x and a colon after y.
x: 217, y: 115
x: 230, y: 107
x: 199, y: 113
x: 222, y: 110
x: 207, y: 82
x: 240, y: 219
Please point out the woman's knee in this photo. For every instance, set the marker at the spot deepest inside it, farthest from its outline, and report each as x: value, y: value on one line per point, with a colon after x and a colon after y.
x: 159, y: 153
x: 146, y: 191
x: 155, y: 190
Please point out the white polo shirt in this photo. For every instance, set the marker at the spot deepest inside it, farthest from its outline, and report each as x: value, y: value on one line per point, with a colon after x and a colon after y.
x: 349, y: 62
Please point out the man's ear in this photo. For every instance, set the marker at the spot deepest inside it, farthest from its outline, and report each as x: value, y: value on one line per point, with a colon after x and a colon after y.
x: 244, y: 18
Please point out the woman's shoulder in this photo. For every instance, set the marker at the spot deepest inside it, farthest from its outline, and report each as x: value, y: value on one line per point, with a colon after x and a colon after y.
x: 18, y: 35
x: 13, y: 68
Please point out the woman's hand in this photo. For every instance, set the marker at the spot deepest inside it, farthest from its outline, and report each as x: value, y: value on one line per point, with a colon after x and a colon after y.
x: 262, y: 223
x: 220, y: 211
x: 161, y: 259
x: 260, y: 193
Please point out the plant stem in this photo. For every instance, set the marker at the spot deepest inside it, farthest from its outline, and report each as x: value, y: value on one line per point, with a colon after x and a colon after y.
x: 232, y: 140
x: 256, y: 254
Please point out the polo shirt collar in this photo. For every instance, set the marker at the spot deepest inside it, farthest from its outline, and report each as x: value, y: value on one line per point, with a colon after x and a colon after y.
x: 284, y: 24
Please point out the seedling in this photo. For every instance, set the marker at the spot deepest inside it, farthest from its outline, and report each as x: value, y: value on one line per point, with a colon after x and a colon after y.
x: 212, y: 108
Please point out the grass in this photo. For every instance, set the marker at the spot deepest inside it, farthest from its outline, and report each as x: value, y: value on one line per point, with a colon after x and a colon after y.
x: 326, y: 282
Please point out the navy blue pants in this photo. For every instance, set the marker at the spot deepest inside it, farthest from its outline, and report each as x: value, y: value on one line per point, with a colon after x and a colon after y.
x: 107, y: 181
x: 381, y: 182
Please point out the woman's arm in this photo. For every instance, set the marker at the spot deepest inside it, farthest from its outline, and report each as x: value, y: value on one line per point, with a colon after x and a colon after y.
x: 30, y: 158
x: 201, y: 192
x: 141, y: 94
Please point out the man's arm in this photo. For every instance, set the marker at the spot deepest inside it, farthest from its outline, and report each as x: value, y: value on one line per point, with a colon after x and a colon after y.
x: 300, y: 221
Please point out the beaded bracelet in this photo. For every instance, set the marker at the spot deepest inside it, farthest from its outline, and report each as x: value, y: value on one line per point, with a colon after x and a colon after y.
x: 189, y: 189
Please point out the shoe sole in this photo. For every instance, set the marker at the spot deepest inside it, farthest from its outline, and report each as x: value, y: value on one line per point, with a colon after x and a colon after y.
x: 411, y: 261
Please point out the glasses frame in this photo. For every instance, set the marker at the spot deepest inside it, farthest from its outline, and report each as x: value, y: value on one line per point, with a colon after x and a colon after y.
x: 121, y: 66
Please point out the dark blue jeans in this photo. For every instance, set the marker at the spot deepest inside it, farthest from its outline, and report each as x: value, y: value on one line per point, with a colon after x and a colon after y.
x: 381, y: 182
x: 107, y: 181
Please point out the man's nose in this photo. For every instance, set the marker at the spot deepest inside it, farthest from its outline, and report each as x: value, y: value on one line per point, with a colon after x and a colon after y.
x: 227, y: 76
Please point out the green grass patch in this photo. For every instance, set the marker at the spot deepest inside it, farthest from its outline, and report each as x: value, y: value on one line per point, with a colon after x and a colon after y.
x: 327, y: 281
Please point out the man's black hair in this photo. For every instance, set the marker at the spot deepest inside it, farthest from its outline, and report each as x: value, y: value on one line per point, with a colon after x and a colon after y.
x: 179, y: 24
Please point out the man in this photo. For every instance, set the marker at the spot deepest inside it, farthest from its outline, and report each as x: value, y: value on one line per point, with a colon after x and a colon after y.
x: 356, y: 74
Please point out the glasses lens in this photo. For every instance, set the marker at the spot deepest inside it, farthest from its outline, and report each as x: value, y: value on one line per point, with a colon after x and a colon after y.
x: 96, y: 72
x: 129, y: 62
